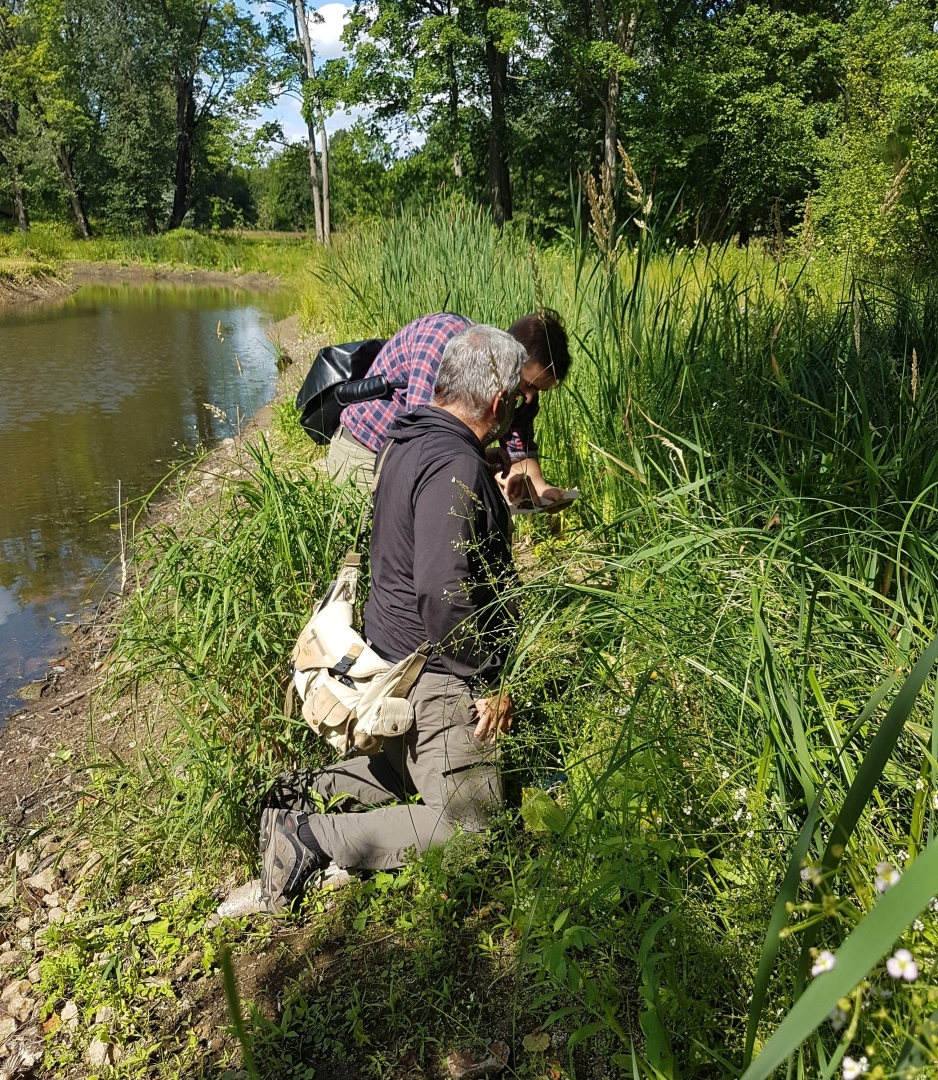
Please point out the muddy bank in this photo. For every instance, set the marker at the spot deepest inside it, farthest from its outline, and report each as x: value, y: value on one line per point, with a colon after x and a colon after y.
x: 40, y: 286
x: 46, y: 285
x: 104, y: 273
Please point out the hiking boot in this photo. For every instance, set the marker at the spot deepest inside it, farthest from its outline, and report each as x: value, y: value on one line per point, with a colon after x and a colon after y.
x: 287, y: 862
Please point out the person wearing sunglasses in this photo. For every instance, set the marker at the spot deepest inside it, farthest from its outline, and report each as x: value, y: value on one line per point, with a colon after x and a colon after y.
x: 413, y: 357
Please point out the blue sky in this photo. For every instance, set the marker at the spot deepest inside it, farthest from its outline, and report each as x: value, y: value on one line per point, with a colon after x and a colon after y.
x: 327, y: 45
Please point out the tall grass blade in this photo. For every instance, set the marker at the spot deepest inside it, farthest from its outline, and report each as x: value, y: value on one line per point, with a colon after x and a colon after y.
x: 786, y: 894
x: 234, y: 1013
x: 874, y: 935
x: 867, y: 777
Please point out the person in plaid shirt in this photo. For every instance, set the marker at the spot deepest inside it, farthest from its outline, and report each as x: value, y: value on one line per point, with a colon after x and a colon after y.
x: 413, y: 356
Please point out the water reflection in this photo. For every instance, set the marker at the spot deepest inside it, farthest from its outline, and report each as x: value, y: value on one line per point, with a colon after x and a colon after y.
x: 110, y: 385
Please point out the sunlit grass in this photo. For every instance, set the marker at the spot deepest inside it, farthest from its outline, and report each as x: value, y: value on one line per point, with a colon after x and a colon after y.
x: 289, y: 257
x: 708, y: 648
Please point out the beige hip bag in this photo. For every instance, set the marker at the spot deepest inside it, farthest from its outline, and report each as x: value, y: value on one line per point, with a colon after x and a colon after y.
x: 351, y: 697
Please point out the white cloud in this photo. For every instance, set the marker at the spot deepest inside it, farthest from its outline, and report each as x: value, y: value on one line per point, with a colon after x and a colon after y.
x: 326, y: 36
x: 287, y: 111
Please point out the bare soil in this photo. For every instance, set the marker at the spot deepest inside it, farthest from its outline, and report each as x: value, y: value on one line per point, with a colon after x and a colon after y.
x: 104, y: 273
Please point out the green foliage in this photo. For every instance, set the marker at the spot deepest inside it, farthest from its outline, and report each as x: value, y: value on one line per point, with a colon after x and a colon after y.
x: 214, y: 621
x: 877, y: 197
x: 284, y: 198
x: 708, y: 678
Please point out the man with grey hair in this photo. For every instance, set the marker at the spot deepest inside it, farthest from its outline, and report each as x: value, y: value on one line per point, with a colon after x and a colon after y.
x: 440, y: 565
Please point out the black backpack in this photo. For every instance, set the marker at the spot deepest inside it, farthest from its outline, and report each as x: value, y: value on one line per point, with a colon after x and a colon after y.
x: 336, y: 379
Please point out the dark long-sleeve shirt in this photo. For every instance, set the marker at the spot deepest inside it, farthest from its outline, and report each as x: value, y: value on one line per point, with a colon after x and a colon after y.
x: 440, y: 550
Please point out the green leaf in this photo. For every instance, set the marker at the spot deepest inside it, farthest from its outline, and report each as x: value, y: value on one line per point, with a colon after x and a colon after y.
x: 728, y: 871
x: 542, y: 814
x: 536, y: 1043
x: 587, y: 1031
x: 874, y: 935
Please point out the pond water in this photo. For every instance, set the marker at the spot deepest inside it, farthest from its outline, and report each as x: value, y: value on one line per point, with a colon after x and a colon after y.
x: 107, y: 387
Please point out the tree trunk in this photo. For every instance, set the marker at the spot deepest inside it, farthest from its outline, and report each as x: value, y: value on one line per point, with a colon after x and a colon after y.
x: 499, y: 180
x: 186, y: 122
x: 302, y: 36
x: 326, y: 209
x: 9, y: 116
x: 453, y: 112
x: 314, y: 180
x: 19, y: 202
x: 74, y: 195
x: 625, y: 39
x: 66, y: 175
x: 185, y: 136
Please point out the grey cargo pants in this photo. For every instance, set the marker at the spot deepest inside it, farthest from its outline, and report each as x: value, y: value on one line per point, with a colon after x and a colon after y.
x: 438, y: 758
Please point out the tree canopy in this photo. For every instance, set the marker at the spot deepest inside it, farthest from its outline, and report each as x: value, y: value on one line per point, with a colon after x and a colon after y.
x: 742, y: 118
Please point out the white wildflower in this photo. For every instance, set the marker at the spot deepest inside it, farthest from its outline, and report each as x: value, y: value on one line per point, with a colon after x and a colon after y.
x: 838, y: 1017
x: 886, y: 876
x: 933, y: 904
x: 811, y: 873
x: 903, y: 856
x: 726, y: 775
x: 738, y: 814
x: 750, y: 834
x: 902, y: 965
x: 740, y: 795
x: 687, y: 810
x: 825, y: 962
x: 934, y: 800
x: 855, y: 1069
x: 918, y: 926
x: 920, y: 784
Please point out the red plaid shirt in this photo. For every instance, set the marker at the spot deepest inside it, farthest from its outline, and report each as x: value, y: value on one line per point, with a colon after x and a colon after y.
x: 413, y: 355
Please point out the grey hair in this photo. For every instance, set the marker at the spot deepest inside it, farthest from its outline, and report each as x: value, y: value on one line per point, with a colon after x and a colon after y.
x: 478, y: 363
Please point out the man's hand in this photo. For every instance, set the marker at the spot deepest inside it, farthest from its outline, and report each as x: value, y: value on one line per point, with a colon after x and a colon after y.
x: 530, y: 469
x: 499, y: 461
x: 494, y: 716
x: 520, y: 490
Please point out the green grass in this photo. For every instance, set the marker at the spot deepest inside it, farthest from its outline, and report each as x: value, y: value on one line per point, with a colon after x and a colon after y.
x: 708, y: 679
x: 288, y: 257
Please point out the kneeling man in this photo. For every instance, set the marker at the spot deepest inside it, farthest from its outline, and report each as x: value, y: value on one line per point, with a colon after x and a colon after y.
x: 440, y: 565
